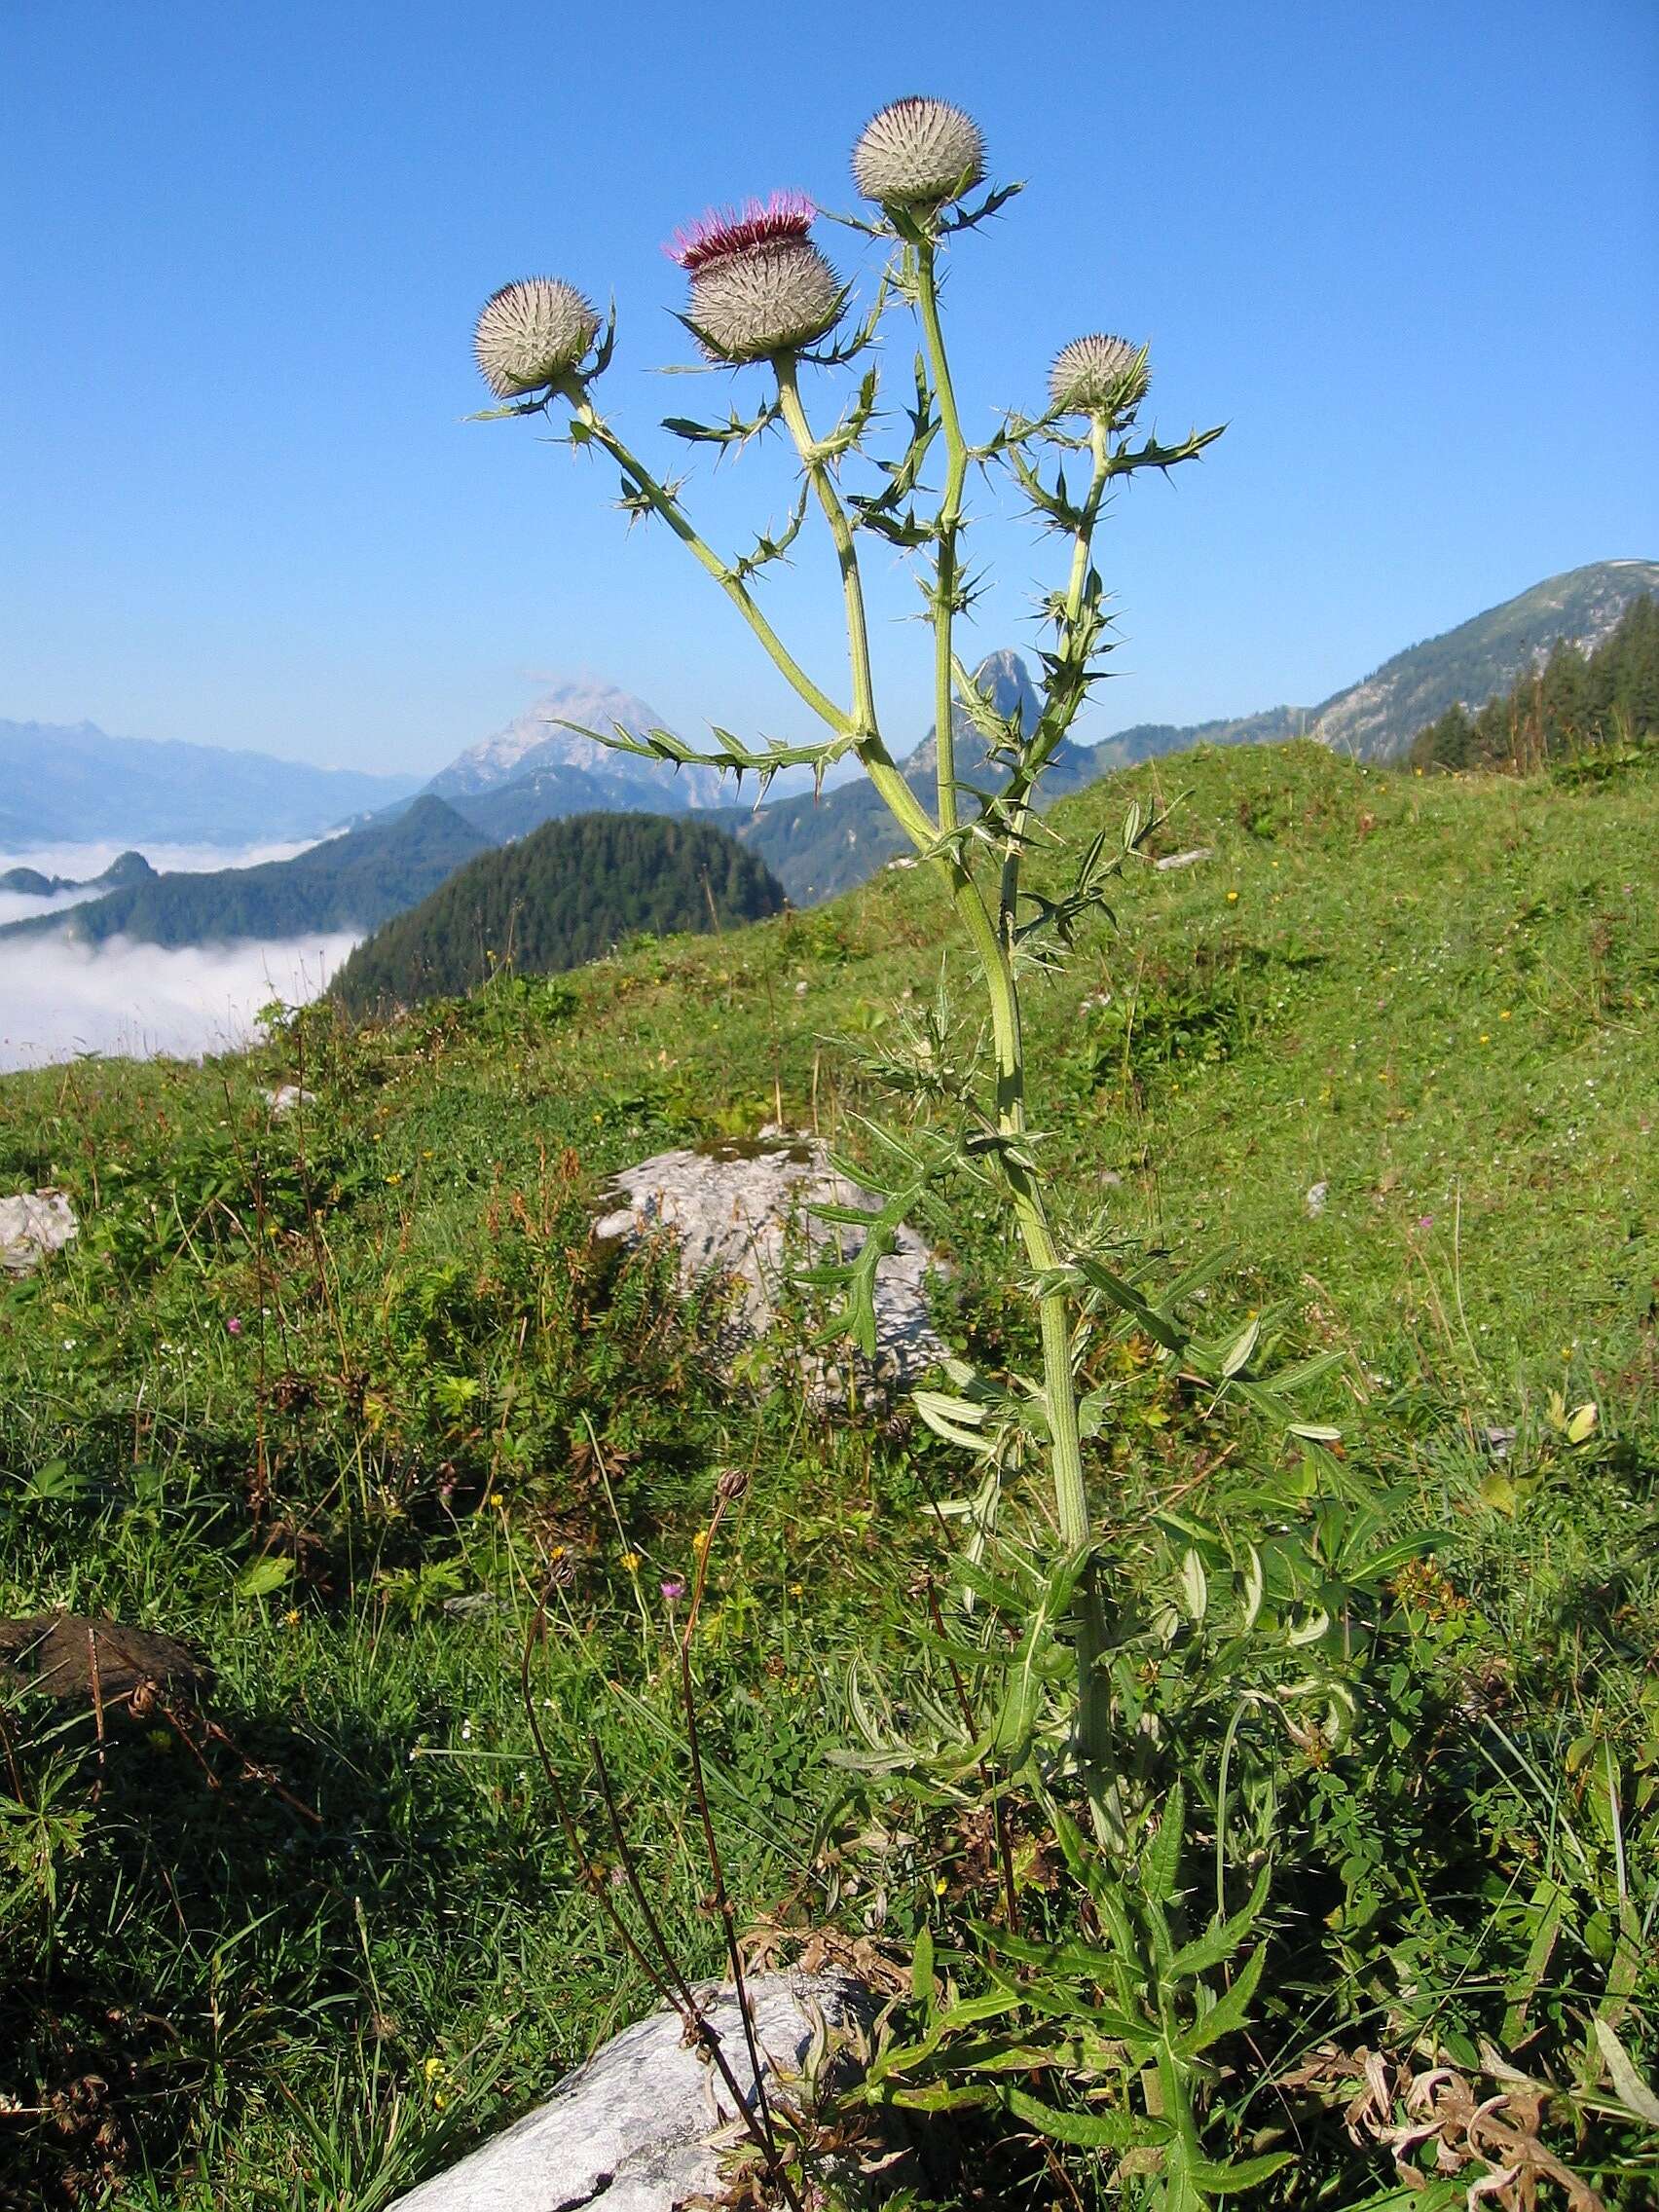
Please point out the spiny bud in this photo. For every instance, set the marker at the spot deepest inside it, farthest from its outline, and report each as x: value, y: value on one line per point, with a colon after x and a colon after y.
x: 918, y: 153
x: 531, y: 333
x: 1099, y: 374
x: 759, y: 284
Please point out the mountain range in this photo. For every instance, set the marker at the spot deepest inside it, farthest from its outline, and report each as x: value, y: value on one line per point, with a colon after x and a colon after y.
x: 536, y: 770
x: 62, y: 785
x: 1376, y: 718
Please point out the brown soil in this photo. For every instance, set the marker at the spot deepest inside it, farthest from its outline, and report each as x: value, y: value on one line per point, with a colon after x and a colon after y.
x: 88, y: 1663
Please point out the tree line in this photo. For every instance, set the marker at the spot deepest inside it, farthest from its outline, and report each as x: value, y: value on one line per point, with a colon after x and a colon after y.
x: 568, y: 893
x: 1573, y: 703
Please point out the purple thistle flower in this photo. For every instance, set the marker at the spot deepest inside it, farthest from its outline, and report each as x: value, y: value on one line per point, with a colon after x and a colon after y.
x: 232, y: 1327
x: 672, y: 1589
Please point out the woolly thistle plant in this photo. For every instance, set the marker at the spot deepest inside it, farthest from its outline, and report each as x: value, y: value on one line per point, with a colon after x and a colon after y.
x: 763, y: 296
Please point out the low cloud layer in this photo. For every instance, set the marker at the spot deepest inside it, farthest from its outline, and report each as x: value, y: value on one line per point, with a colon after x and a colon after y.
x: 82, y: 862
x: 58, y: 999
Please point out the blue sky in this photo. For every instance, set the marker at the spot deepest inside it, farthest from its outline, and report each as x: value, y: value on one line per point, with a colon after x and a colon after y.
x: 1407, y: 253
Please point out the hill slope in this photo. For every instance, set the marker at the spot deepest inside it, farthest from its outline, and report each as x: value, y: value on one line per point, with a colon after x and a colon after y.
x: 562, y: 895
x: 352, y: 882
x: 61, y: 785
x: 332, y: 1395
x: 1378, y: 719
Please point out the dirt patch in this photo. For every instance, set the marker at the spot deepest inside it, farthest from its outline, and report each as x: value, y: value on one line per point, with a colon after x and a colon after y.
x: 87, y: 1663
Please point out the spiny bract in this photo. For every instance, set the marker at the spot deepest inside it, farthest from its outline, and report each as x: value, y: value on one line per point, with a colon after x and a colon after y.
x: 918, y: 153
x: 531, y: 332
x: 1099, y: 374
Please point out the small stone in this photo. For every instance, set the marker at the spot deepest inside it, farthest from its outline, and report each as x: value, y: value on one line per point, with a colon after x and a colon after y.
x: 1184, y: 860
x: 1498, y: 1442
x: 1314, y: 1201
x: 287, y: 1096
x: 33, y: 1225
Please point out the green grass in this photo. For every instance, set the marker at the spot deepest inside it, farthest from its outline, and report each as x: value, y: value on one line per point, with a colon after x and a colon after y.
x: 1434, y: 998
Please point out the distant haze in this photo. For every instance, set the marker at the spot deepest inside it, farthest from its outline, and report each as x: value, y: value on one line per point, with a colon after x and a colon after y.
x: 58, y: 999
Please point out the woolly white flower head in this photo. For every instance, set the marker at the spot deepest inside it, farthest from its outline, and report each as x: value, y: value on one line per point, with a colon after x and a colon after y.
x: 1099, y: 374
x: 918, y: 153
x: 531, y: 332
x: 759, y: 284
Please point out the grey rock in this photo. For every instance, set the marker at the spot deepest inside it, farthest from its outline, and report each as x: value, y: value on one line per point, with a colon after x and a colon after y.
x: 32, y: 1225
x: 287, y: 1096
x: 1188, y: 859
x: 630, y: 2130
x: 746, y: 1214
x: 1314, y: 1201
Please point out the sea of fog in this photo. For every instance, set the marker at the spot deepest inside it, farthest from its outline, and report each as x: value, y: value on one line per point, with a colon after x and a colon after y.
x: 58, y: 999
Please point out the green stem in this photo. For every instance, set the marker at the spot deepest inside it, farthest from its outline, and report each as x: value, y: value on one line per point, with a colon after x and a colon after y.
x: 948, y: 529
x: 879, y: 763
x: 668, y: 506
x: 1070, y: 1500
x: 1025, y: 777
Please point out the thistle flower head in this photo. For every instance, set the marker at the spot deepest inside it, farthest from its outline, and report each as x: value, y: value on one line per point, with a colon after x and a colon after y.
x: 531, y: 332
x: 759, y: 284
x: 1099, y: 374
x: 918, y: 153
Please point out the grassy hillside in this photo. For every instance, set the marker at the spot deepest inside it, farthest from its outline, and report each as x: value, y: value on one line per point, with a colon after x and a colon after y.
x: 329, y: 1395
x: 569, y: 892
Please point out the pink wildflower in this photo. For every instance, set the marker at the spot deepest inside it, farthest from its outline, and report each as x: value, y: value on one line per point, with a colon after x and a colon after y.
x: 785, y: 219
x: 672, y: 1589
x: 232, y: 1327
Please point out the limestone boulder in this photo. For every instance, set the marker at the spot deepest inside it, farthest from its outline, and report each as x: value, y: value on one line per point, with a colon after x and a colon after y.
x: 745, y: 1212
x: 632, y: 2130
x: 33, y: 1225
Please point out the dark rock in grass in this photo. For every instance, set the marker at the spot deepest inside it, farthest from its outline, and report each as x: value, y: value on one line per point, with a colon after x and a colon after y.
x: 635, y: 2129
x: 91, y: 1664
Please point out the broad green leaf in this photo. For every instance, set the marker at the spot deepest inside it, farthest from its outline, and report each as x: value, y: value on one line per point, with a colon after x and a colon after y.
x: 1226, y: 2178
x: 263, y: 1576
x: 1222, y: 1937
x: 1195, y: 1585
x: 1631, y: 2090
x: 1237, y: 1354
x: 1160, y: 1864
x: 921, y: 1969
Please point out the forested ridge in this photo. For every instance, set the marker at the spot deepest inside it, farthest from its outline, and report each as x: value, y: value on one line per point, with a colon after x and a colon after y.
x: 567, y: 894
x: 1574, y: 701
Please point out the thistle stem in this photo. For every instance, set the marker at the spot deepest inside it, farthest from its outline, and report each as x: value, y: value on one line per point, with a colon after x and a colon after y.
x: 879, y: 763
x: 948, y: 529
x: 993, y: 952
x: 664, y: 503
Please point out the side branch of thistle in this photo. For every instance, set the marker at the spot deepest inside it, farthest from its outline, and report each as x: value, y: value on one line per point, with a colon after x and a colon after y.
x: 587, y: 423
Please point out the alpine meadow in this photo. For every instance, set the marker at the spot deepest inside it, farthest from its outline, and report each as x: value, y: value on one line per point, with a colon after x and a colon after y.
x: 936, y: 1497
